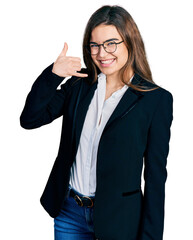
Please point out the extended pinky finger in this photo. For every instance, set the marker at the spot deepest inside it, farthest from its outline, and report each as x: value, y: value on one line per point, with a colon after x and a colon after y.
x: 80, y: 74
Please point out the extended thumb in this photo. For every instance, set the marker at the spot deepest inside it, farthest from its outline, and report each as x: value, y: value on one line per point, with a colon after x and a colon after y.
x: 65, y: 49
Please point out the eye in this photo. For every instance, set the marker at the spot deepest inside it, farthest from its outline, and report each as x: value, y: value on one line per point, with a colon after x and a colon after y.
x: 110, y: 43
x: 93, y: 45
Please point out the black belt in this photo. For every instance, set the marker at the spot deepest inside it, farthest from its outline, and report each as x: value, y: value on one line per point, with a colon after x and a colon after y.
x: 82, y: 200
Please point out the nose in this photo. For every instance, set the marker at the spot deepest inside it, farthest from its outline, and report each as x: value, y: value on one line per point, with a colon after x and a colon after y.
x: 102, y: 51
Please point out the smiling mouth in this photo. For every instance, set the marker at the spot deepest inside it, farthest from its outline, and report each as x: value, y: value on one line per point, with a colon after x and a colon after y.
x: 106, y: 62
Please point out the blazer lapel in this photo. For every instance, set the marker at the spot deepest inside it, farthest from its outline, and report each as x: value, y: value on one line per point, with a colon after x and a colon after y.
x: 127, y: 102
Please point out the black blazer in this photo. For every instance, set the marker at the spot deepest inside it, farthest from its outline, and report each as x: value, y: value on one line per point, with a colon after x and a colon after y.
x: 137, y: 132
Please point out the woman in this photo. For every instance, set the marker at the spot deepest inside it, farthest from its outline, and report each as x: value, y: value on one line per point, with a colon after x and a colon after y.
x: 114, y: 118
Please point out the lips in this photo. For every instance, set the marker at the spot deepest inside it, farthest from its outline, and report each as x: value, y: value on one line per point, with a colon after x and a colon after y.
x: 107, y: 62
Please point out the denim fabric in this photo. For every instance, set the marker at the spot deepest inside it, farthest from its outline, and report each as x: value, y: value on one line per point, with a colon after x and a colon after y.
x: 74, y: 222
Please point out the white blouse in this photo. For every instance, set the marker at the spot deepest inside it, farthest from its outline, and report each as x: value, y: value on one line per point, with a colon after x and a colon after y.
x: 83, y: 170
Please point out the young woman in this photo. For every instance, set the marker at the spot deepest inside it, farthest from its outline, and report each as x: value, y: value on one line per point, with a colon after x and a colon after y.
x: 115, y: 119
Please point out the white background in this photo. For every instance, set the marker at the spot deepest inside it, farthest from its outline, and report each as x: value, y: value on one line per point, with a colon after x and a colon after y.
x: 32, y: 36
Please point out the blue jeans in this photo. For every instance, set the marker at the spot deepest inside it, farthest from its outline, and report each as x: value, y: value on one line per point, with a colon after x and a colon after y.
x: 74, y: 222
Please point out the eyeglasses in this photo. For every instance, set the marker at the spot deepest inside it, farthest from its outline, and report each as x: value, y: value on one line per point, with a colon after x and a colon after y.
x: 109, y: 47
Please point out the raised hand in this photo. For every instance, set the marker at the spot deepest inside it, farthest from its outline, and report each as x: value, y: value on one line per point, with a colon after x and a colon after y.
x: 65, y: 66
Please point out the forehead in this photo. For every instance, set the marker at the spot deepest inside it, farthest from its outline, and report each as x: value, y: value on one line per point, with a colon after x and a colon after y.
x: 103, y: 32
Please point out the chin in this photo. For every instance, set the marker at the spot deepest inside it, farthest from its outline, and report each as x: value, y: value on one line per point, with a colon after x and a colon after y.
x: 108, y: 71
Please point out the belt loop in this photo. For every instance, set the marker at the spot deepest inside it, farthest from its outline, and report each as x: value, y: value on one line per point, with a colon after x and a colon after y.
x: 68, y: 191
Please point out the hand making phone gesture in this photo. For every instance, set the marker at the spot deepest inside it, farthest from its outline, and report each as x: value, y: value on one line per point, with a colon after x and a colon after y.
x: 65, y: 66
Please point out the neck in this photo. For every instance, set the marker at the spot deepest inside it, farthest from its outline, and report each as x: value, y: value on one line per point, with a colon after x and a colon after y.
x: 114, y: 81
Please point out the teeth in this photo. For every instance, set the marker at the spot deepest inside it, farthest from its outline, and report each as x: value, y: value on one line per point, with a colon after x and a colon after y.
x: 107, y: 61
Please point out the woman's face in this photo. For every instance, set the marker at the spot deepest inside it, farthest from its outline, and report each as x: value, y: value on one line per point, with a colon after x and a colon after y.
x: 109, y: 63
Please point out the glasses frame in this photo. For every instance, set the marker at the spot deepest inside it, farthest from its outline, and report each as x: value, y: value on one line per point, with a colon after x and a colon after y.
x: 102, y: 44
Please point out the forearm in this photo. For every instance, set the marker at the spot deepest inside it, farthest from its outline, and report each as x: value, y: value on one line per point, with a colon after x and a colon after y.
x: 44, y: 102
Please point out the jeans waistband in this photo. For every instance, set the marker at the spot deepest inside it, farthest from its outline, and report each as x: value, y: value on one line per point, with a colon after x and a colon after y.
x: 79, y: 194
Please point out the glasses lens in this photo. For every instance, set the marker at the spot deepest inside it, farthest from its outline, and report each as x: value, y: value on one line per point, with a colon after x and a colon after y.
x: 94, y: 48
x: 110, y: 46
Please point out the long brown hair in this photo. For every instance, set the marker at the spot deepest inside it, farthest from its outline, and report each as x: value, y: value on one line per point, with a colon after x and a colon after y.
x: 127, y: 28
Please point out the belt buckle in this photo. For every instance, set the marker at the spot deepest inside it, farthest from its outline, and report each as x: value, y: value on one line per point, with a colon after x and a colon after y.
x: 90, y: 200
x: 79, y: 200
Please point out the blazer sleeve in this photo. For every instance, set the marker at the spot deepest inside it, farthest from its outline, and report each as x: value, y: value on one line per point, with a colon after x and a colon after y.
x: 44, y: 102
x: 155, y: 172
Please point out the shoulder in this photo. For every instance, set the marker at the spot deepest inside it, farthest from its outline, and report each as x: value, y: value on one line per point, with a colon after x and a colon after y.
x: 160, y: 101
x: 159, y: 93
x: 156, y: 99
x: 153, y: 89
x: 160, y: 98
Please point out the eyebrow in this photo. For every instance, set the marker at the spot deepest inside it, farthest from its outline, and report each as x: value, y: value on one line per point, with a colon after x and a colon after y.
x: 111, y: 39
